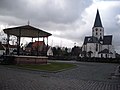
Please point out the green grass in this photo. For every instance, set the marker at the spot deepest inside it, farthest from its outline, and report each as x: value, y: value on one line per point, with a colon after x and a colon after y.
x: 48, y: 67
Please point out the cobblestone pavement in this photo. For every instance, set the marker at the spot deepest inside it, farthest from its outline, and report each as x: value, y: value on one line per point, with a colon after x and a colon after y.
x: 86, y: 76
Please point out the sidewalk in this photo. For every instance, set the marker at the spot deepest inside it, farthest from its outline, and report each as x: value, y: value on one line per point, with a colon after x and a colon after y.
x: 87, y: 76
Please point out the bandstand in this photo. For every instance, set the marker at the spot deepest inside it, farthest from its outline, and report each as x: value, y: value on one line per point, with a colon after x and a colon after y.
x: 30, y: 32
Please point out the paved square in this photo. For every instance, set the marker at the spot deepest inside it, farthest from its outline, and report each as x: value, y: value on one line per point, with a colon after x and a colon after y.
x: 86, y: 76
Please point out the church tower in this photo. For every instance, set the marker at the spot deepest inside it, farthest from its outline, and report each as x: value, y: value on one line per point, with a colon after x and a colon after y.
x: 98, y: 30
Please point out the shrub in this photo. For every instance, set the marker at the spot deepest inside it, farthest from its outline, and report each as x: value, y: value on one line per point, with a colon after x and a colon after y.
x: 8, y: 60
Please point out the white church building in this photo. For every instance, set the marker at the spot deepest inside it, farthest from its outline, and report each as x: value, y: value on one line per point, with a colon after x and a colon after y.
x: 98, y: 45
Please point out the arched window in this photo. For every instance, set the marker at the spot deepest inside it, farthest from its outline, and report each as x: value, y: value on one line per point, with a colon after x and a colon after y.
x: 96, y: 29
x: 96, y: 47
x: 106, y: 55
x: 96, y: 33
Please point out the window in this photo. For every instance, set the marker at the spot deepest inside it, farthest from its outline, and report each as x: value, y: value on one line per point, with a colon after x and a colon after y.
x: 96, y: 47
x: 100, y: 33
x: 100, y: 30
x: 96, y: 33
x: 106, y: 55
x: 96, y: 29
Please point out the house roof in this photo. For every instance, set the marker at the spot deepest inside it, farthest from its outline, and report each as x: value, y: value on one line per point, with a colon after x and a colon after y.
x: 90, y: 39
x: 35, y: 44
x: 26, y: 31
x: 29, y: 45
x: 107, y: 40
x: 13, y: 46
x: 38, y: 43
x: 97, y: 22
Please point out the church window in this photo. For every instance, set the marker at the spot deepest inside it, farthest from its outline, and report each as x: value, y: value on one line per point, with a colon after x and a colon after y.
x: 96, y: 47
x: 96, y: 29
x: 96, y: 33
x: 106, y: 55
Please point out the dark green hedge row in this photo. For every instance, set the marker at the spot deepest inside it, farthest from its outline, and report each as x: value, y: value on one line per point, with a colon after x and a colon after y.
x: 8, y: 60
x: 102, y: 60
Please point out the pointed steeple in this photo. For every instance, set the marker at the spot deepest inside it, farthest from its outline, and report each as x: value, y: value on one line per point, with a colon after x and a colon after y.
x: 97, y: 22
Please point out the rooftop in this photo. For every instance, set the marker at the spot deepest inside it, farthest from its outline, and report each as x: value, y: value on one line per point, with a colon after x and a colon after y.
x: 97, y: 22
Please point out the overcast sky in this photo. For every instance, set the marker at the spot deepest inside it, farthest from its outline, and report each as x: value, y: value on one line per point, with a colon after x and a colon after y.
x: 69, y: 21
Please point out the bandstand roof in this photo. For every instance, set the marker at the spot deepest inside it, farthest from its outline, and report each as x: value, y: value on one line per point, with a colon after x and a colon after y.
x: 26, y: 31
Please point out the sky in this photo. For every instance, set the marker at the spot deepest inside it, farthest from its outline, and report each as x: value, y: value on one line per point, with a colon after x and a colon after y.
x: 69, y: 21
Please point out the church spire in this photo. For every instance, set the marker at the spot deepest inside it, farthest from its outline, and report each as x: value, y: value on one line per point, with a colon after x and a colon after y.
x: 97, y: 22
x: 98, y: 30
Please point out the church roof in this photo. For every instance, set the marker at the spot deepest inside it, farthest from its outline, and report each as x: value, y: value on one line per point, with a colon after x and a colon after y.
x: 90, y: 39
x: 90, y: 52
x: 97, y: 22
x: 107, y: 40
x: 105, y: 51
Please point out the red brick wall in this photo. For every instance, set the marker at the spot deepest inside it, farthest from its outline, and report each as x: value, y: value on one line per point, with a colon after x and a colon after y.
x: 31, y: 60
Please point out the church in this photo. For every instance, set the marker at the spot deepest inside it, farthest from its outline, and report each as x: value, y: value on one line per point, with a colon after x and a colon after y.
x: 98, y: 45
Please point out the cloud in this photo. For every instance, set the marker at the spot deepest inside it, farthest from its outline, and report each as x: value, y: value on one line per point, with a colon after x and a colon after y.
x: 118, y: 19
x: 64, y: 11
x: 63, y: 16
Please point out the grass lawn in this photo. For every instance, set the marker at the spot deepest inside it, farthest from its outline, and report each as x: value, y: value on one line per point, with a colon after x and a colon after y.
x: 53, y: 66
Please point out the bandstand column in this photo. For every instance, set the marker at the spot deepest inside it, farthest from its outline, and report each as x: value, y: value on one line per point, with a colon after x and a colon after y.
x: 7, y: 47
x: 18, y: 42
x: 32, y: 47
x: 38, y: 45
x: 47, y: 46
x: 43, y: 51
x: 47, y: 42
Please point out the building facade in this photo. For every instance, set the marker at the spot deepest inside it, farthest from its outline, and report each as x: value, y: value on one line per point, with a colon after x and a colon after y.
x: 36, y: 48
x: 98, y: 45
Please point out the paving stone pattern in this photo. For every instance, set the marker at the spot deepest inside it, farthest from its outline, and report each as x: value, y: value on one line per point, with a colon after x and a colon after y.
x: 86, y: 76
